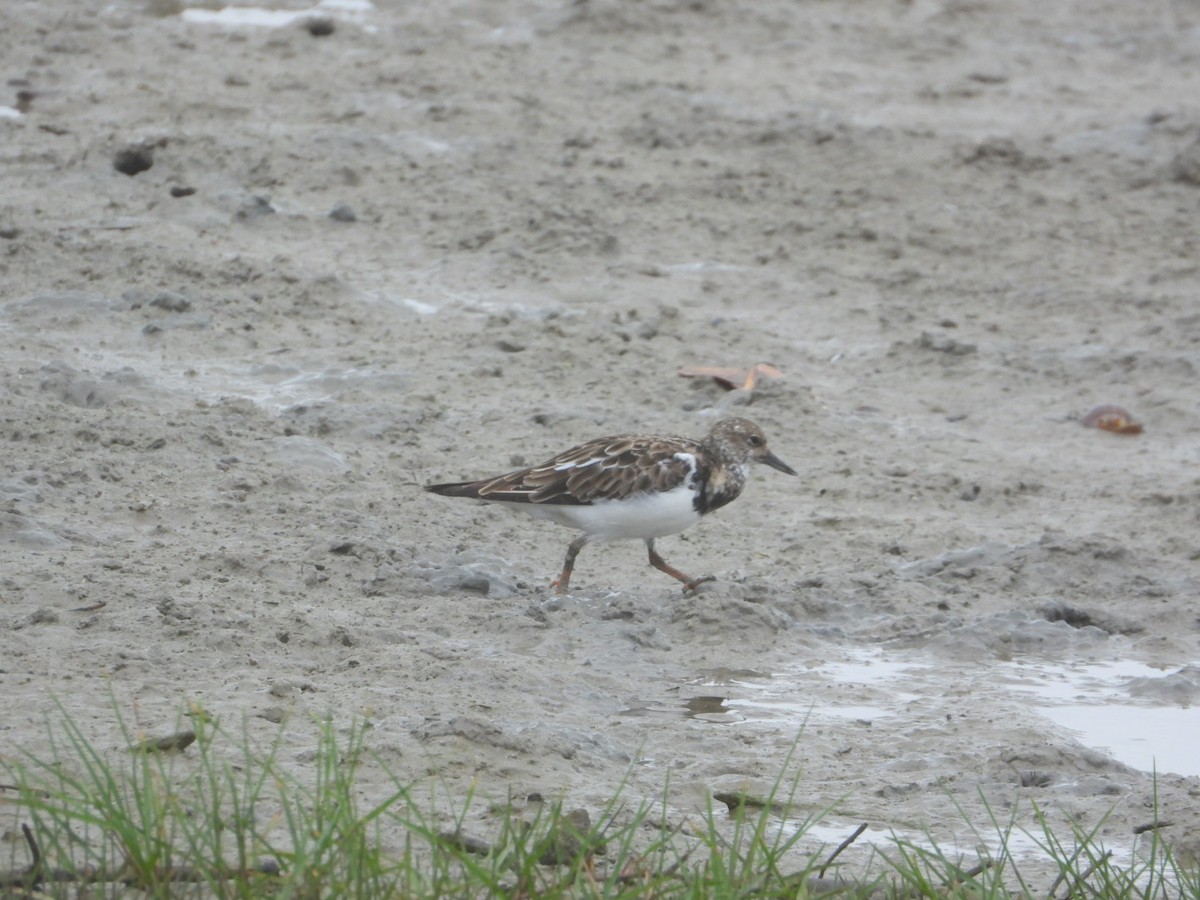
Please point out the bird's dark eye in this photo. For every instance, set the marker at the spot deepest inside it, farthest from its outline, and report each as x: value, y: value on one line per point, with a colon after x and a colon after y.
x: 755, y: 440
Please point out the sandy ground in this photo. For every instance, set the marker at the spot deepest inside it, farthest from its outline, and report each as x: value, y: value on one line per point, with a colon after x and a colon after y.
x: 450, y: 238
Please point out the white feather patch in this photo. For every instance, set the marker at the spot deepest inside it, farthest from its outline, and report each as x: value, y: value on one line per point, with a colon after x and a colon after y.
x: 645, y: 516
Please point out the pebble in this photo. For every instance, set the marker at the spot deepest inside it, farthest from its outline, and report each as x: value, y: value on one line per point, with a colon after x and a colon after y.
x: 171, y: 301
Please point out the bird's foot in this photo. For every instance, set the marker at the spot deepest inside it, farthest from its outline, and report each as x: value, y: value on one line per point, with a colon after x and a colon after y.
x: 690, y: 586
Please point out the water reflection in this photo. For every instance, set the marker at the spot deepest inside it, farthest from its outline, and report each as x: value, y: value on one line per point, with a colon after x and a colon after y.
x: 1114, y: 706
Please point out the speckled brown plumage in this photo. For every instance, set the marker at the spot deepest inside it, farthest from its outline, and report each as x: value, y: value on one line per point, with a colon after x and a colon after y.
x: 627, y: 486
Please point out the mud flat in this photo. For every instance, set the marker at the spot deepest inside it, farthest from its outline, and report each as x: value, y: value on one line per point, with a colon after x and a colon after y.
x: 261, y: 279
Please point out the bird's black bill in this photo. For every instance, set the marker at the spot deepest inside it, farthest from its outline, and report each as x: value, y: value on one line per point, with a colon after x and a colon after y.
x: 776, y: 463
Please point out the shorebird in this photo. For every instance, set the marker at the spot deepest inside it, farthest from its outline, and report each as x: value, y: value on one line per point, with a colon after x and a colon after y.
x: 631, y: 486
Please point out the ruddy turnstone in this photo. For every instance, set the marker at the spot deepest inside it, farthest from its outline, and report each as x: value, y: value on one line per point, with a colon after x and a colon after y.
x: 631, y: 486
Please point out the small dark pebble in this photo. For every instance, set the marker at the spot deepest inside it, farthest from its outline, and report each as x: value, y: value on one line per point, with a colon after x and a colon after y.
x: 343, y: 212
x: 320, y: 26
x: 1151, y: 826
x: 10, y: 233
x: 133, y: 160
x: 739, y: 800
x: 466, y: 843
x: 172, y: 742
x: 180, y: 190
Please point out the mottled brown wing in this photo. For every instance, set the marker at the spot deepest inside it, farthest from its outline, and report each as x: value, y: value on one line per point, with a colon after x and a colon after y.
x: 607, y: 468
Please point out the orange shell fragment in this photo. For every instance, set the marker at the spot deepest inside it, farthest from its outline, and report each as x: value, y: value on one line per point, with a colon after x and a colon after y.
x: 731, y: 378
x: 1112, y: 418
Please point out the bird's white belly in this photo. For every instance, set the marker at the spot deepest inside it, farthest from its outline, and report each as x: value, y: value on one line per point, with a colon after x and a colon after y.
x: 645, y: 516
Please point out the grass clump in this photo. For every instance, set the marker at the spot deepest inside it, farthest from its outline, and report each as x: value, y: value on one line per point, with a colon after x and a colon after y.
x: 149, y: 819
x: 205, y: 813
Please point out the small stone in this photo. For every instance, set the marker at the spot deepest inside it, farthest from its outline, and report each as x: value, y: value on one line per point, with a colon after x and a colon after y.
x: 171, y: 302
x: 134, y: 160
x: 171, y: 743
x: 343, y: 212
x: 320, y: 26
x: 475, y: 582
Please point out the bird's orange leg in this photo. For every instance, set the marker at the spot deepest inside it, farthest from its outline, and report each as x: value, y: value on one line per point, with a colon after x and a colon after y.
x: 563, y: 581
x: 689, y: 584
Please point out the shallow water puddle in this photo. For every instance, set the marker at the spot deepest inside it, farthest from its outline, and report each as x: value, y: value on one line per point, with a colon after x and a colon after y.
x: 1094, y: 700
x: 263, y: 17
x: 871, y: 677
x: 866, y: 689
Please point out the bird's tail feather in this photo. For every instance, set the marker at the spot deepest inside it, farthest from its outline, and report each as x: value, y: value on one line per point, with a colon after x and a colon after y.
x: 456, y: 488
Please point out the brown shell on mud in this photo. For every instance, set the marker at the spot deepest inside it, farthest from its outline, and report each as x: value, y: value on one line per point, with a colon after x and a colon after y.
x: 1112, y: 418
x: 730, y: 378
